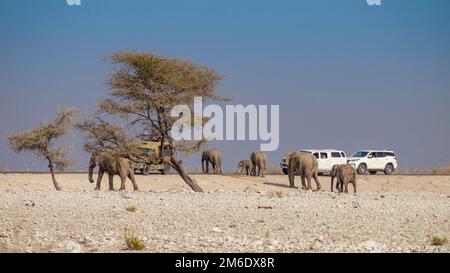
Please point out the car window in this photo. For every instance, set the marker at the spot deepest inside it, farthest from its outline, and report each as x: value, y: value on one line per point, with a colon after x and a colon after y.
x: 371, y: 155
x: 390, y: 154
x: 360, y: 154
x: 316, y: 155
x: 343, y: 154
x: 379, y: 154
x: 335, y: 155
x: 323, y: 155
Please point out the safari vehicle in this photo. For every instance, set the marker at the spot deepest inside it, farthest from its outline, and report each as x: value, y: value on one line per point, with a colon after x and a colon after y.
x: 326, y: 159
x: 150, y: 151
x: 373, y: 161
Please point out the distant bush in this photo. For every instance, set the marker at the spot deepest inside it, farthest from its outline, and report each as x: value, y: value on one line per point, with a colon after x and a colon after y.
x: 418, y: 171
x: 441, y: 170
x: 273, y: 170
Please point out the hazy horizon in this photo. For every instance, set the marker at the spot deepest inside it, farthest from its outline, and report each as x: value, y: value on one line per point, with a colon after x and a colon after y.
x: 345, y: 74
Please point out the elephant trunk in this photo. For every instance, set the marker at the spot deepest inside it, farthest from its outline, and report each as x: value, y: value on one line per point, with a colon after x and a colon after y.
x: 91, y: 170
x: 203, y: 165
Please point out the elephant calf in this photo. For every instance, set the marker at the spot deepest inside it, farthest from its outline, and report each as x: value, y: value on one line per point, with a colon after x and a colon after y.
x: 113, y: 166
x: 345, y: 174
x: 244, y: 165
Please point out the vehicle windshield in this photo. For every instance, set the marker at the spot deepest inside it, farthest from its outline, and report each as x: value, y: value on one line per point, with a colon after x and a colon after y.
x: 360, y: 154
x: 145, y: 152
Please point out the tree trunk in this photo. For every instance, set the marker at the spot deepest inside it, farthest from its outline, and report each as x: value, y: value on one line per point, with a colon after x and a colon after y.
x: 55, y: 183
x: 180, y: 170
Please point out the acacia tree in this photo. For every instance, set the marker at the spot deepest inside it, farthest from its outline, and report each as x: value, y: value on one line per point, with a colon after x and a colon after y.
x: 41, y: 141
x: 144, y: 89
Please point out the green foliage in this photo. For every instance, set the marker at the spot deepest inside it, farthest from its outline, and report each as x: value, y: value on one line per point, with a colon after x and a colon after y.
x: 41, y: 140
x: 131, y: 209
x: 438, y: 241
x: 134, y: 243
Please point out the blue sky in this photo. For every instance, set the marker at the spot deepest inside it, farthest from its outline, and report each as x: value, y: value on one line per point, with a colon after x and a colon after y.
x: 346, y: 75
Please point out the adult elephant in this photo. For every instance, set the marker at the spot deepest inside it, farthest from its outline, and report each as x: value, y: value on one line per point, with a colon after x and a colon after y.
x: 306, y: 166
x: 215, y: 158
x: 345, y: 174
x: 244, y: 165
x: 113, y: 166
x: 259, y: 161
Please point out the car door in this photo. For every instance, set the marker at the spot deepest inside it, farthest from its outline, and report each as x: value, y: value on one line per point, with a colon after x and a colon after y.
x: 324, y: 162
x: 377, y: 161
x: 372, y: 163
x: 317, y: 156
x: 337, y: 159
x: 382, y: 160
x: 344, y: 158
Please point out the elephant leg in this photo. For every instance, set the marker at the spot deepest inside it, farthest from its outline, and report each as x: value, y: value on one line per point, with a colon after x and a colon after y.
x: 220, y: 168
x: 316, y: 178
x: 332, y: 179
x: 247, y: 170
x: 101, y: 171
x: 111, y: 182
x: 308, y: 179
x: 354, y: 185
x: 291, y: 178
x: 207, y: 166
x: 303, y: 183
x: 346, y: 186
x: 133, y: 180
x: 123, y: 179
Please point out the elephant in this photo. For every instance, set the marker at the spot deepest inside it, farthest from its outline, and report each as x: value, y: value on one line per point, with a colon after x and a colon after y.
x: 113, y: 166
x: 306, y: 166
x: 215, y: 158
x: 259, y: 161
x: 246, y: 165
x: 345, y: 174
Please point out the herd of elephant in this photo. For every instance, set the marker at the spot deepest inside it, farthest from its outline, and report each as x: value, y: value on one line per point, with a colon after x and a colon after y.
x: 302, y: 164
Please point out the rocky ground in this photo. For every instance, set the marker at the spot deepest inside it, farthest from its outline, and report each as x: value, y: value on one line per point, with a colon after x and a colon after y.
x: 236, y: 214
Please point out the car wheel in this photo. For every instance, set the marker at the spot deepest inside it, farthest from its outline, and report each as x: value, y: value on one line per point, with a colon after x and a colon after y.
x: 146, y: 171
x: 362, y: 169
x: 389, y: 169
x: 285, y: 171
x: 373, y: 172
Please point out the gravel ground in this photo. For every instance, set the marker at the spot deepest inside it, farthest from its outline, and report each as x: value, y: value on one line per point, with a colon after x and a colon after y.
x: 236, y: 214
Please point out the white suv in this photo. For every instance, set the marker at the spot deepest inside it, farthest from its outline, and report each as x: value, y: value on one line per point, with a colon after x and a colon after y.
x: 373, y: 161
x: 326, y: 159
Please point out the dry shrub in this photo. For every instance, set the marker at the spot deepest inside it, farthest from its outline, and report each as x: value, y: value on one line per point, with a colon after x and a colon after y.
x: 273, y: 170
x: 441, y: 170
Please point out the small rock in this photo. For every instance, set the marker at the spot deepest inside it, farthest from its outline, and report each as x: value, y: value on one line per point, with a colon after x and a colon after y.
x: 217, y: 230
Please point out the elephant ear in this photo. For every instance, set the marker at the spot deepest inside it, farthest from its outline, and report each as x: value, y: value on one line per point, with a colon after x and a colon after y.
x: 288, y: 157
x: 334, y: 170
